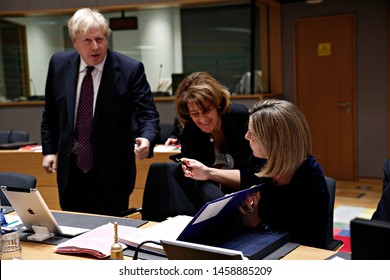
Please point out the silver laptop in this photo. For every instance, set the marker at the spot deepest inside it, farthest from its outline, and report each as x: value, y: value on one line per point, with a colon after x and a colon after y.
x: 181, y: 250
x: 35, y: 215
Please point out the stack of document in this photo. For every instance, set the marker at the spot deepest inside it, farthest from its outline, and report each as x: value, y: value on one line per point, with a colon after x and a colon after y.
x: 169, y: 229
x: 96, y: 242
x: 9, y: 223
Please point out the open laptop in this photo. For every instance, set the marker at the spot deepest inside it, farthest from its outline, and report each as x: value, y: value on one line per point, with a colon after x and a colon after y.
x: 181, y: 250
x: 35, y: 215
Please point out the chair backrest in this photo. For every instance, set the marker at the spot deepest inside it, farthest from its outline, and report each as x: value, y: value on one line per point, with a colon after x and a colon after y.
x: 332, y: 244
x: 163, y: 197
x: 165, y: 131
x: 15, y: 180
x: 11, y: 136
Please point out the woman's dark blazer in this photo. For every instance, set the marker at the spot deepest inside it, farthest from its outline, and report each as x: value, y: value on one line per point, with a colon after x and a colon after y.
x: 197, y: 145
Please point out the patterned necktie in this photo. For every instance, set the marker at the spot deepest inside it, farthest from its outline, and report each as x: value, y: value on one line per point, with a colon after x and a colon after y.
x: 84, y: 123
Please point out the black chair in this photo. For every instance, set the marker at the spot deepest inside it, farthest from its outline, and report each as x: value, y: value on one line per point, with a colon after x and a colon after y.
x: 331, y: 244
x: 163, y: 196
x: 129, y: 212
x: 165, y: 132
x: 12, y: 136
x: 15, y: 180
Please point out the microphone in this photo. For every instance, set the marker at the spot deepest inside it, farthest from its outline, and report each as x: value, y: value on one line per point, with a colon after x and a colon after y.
x: 159, y: 78
x: 217, y: 69
x: 33, y: 86
x: 159, y: 74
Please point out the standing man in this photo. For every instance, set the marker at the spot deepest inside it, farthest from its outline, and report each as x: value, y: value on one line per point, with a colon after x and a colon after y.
x: 93, y: 98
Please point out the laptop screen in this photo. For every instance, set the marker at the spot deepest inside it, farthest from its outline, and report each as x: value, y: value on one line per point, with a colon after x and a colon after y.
x: 176, y: 80
x: 33, y: 211
x: 180, y: 250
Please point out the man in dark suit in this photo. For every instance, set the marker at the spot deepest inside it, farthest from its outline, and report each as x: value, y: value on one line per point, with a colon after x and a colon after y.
x: 121, y: 98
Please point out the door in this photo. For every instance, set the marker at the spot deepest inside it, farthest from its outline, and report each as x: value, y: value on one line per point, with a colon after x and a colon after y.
x: 325, y: 89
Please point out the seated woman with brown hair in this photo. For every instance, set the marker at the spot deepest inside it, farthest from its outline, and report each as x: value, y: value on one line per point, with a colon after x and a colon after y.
x: 213, y: 133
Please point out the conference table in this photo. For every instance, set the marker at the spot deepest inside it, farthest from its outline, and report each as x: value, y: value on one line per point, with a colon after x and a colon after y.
x: 39, y: 251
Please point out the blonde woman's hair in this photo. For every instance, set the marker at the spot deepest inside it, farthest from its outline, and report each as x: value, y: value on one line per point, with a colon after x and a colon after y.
x: 281, y: 128
x: 200, y: 88
x: 84, y: 19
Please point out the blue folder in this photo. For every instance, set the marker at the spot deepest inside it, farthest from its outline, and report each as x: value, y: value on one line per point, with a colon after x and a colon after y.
x: 219, y: 224
x: 257, y: 246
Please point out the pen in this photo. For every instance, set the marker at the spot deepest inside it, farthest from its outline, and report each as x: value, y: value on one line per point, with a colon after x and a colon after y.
x: 182, y: 162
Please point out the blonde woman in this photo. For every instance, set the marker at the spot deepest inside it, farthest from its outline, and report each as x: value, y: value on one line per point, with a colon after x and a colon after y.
x: 295, y: 197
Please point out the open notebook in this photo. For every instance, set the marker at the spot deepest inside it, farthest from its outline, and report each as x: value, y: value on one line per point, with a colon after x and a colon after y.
x: 35, y: 215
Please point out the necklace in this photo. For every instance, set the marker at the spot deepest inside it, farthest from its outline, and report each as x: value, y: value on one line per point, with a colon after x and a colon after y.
x: 211, y: 139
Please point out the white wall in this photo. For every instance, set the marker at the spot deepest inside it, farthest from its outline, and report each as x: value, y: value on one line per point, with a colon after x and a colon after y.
x: 44, y: 37
x: 156, y: 42
x: 160, y: 43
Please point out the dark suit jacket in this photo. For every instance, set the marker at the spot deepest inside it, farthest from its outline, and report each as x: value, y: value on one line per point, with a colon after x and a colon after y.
x: 124, y: 98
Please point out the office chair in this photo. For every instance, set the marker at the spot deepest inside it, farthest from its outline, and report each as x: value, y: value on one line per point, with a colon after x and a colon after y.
x: 15, y: 180
x: 165, y: 131
x: 163, y: 196
x: 12, y: 136
x: 331, y: 244
x: 129, y: 212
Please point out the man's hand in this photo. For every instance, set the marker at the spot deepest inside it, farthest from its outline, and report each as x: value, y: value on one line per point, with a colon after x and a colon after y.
x: 50, y: 163
x: 141, y: 148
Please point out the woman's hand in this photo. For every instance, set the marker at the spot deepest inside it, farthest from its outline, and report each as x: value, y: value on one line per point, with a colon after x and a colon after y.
x: 249, y: 210
x: 194, y: 169
x: 171, y: 141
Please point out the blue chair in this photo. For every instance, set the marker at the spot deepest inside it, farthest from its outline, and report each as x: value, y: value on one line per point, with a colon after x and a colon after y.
x: 12, y: 136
